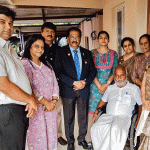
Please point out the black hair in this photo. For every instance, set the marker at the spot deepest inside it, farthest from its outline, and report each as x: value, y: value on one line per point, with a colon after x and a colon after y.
x: 103, y: 32
x: 73, y: 29
x: 7, y: 12
x: 127, y: 39
x: 33, y: 38
x: 48, y: 25
x: 145, y: 35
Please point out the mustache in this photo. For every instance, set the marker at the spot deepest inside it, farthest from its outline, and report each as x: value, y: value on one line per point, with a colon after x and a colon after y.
x: 119, y: 80
x: 74, y: 42
x: 50, y: 36
x: 123, y: 83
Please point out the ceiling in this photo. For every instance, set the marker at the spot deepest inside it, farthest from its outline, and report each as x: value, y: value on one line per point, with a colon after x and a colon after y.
x: 30, y: 18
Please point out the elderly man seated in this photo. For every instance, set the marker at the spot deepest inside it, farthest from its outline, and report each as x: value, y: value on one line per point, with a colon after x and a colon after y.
x: 110, y: 131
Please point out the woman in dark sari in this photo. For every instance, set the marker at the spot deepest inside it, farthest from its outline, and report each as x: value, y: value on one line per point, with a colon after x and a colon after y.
x: 141, y: 61
x: 142, y: 68
x: 128, y: 59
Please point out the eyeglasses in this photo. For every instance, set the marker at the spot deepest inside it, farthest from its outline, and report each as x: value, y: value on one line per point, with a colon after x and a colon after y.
x: 72, y: 38
x: 37, y: 47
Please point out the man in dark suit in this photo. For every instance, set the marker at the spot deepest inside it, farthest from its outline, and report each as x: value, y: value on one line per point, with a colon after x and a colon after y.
x: 75, y: 71
x: 48, y: 31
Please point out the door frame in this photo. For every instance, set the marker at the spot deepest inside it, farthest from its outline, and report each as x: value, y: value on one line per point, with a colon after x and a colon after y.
x: 148, y: 17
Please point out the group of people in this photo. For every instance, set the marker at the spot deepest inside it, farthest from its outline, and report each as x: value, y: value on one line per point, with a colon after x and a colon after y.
x: 110, y: 131
x: 49, y: 76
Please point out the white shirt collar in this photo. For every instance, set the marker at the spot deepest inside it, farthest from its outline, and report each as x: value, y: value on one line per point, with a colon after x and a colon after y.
x: 3, y: 42
x: 78, y: 49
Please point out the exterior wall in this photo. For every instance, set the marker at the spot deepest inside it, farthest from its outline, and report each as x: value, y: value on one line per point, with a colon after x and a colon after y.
x: 95, y: 24
x: 135, y: 16
x: 60, y: 3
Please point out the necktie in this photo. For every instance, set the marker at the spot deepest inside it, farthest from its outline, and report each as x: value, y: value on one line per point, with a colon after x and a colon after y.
x: 77, y: 64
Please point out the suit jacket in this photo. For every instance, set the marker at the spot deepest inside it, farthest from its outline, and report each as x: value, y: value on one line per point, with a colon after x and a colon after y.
x: 66, y: 72
x: 50, y: 53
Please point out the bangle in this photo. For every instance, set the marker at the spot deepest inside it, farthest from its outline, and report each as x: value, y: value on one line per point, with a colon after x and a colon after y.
x: 55, y: 99
x: 108, y: 82
x: 40, y: 98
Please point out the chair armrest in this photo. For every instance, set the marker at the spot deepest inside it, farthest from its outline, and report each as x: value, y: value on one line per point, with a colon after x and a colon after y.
x: 101, y: 110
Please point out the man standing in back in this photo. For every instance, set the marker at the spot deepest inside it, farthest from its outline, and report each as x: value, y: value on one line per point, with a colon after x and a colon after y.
x: 75, y: 71
x: 48, y: 31
x: 15, y: 90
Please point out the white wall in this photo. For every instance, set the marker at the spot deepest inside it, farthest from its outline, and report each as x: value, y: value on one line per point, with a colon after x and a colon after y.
x: 135, y: 19
x: 95, y: 24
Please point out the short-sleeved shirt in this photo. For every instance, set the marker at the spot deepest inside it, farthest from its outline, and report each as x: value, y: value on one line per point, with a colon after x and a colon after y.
x: 11, y: 66
x: 121, y: 101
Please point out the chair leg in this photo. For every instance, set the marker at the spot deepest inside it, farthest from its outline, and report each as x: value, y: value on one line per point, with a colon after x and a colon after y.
x: 90, y: 146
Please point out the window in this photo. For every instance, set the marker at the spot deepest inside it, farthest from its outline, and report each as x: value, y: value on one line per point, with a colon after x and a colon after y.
x: 119, y: 28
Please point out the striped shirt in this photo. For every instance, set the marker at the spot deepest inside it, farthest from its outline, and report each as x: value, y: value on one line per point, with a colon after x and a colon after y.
x: 11, y: 66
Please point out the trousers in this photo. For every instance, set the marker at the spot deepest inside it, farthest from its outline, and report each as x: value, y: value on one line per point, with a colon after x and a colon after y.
x: 13, y: 127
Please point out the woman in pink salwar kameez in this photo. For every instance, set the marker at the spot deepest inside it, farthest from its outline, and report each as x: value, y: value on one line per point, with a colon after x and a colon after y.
x: 42, y: 131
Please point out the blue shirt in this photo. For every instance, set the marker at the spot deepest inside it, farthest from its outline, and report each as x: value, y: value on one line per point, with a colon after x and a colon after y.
x: 79, y: 55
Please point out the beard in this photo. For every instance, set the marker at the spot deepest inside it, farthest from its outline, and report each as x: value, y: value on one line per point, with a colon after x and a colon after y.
x: 122, y: 83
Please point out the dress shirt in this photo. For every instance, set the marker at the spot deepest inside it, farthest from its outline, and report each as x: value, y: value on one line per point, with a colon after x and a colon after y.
x: 121, y: 101
x: 11, y: 66
x: 79, y: 55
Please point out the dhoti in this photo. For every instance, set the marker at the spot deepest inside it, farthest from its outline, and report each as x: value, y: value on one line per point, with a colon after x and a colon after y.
x: 110, y: 132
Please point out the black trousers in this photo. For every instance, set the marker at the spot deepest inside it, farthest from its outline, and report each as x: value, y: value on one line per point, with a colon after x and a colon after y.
x: 13, y: 127
x: 69, y: 117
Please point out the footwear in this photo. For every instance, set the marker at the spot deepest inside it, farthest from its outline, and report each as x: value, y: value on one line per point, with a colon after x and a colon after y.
x: 62, y: 141
x: 71, y: 146
x: 127, y: 143
x: 84, y: 144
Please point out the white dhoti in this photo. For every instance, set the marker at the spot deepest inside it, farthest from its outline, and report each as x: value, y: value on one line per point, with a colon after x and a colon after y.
x: 110, y: 132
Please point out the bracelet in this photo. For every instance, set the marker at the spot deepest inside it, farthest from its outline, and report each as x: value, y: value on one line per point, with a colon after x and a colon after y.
x: 97, y: 112
x: 108, y: 82
x: 40, y: 98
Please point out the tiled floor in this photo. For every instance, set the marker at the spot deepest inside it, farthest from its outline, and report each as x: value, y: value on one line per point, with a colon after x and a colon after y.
x: 77, y: 147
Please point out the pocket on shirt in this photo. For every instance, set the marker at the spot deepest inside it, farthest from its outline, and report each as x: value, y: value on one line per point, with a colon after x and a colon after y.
x: 12, y: 75
x: 12, y: 72
x: 127, y: 99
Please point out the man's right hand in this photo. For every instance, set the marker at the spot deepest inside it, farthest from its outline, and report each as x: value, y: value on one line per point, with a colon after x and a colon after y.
x: 31, y: 107
x: 95, y: 115
x: 78, y: 85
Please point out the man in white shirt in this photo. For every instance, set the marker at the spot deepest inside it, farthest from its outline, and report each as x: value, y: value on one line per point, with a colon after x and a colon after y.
x: 110, y: 131
x: 15, y: 91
